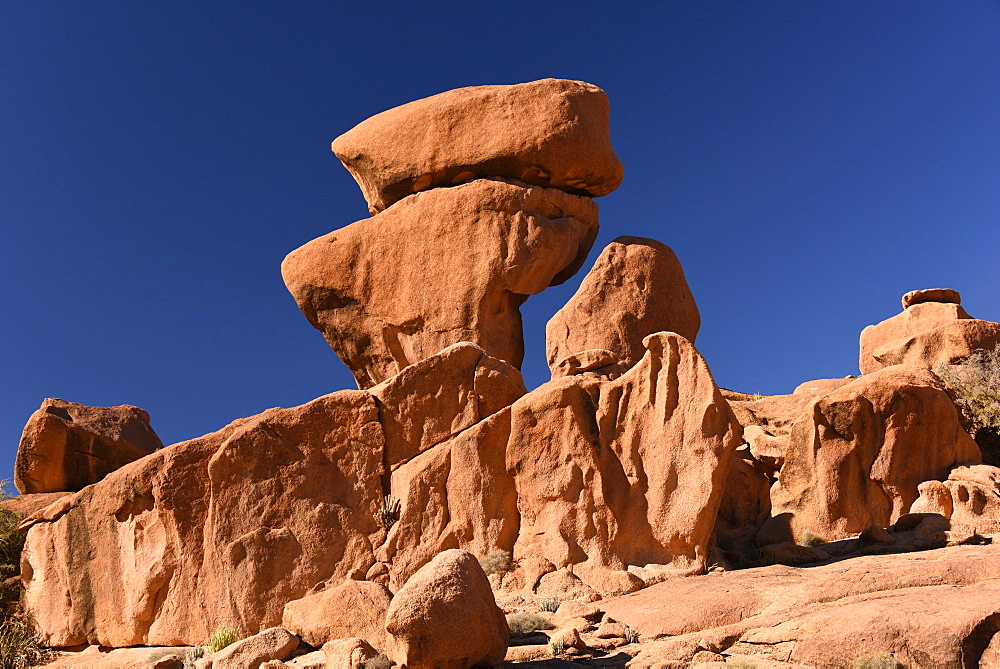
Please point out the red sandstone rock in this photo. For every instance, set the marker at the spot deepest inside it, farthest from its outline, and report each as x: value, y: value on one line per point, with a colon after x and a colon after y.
x: 946, y: 295
x: 821, y: 386
x: 598, y: 360
x: 275, y: 643
x: 348, y: 653
x: 551, y: 133
x: 857, y: 455
x: 970, y: 496
x: 66, y: 446
x: 448, y: 265
x: 636, y: 288
x: 445, y: 617
x: 352, y: 609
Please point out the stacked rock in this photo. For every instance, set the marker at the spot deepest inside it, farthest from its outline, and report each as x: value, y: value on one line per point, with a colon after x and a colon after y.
x: 479, y: 197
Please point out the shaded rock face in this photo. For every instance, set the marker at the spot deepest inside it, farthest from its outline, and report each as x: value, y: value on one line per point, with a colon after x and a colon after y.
x: 448, y: 265
x: 933, y: 328
x: 857, y: 455
x: 66, y: 446
x: 636, y: 288
x: 445, y: 617
x: 551, y: 133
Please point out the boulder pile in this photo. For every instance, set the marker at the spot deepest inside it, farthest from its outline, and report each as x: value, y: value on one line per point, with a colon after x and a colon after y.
x: 400, y: 521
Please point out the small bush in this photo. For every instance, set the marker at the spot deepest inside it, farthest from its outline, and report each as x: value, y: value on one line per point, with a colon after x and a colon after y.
x: 387, y: 514
x: 880, y: 661
x: 19, y: 645
x: 974, y: 386
x: 380, y: 662
x: 549, y: 605
x: 811, y: 539
x: 497, y: 562
x: 556, y: 648
x: 631, y: 636
x: 223, y: 636
x: 524, y: 623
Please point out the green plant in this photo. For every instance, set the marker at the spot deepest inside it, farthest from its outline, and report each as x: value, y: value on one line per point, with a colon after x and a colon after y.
x: 497, y: 562
x: 387, y: 514
x: 523, y: 623
x: 224, y: 635
x: 880, y: 661
x: 19, y: 645
x: 811, y: 539
x: 974, y: 386
x: 380, y: 662
x: 556, y: 647
x: 548, y: 605
x: 756, y: 397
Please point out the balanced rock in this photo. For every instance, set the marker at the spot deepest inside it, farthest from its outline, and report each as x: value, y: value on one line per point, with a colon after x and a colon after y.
x: 933, y: 328
x: 443, y: 266
x: 857, y: 455
x: 551, y: 133
x: 353, y: 609
x: 445, y: 617
x: 636, y: 288
x: 66, y: 446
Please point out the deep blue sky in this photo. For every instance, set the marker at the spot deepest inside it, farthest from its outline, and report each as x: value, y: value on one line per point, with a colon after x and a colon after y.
x: 809, y: 162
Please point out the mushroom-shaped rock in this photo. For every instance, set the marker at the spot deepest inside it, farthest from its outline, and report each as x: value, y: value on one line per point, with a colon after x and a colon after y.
x: 445, y: 617
x: 551, y: 132
x: 636, y: 288
x: 67, y: 446
x: 444, y: 266
x: 933, y: 328
x: 857, y: 455
x: 351, y: 609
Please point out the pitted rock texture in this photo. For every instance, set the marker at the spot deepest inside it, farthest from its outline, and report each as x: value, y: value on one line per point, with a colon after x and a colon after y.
x: 66, y: 446
x: 636, y: 288
x: 970, y: 495
x: 445, y: 617
x: 857, y: 455
x: 444, y: 266
x: 551, y: 133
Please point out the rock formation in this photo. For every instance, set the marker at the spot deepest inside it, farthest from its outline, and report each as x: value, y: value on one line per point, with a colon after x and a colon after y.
x: 932, y: 329
x: 636, y: 288
x: 66, y: 446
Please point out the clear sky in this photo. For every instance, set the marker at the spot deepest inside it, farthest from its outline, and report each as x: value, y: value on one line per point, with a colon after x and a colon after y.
x: 809, y: 162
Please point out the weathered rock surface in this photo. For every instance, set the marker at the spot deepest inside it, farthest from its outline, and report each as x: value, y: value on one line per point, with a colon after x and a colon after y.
x: 623, y: 479
x: 275, y: 643
x: 821, y: 386
x: 551, y: 133
x: 249, y: 518
x: 351, y: 609
x: 445, y: 617
x: 636, y: 288
x: 350, y: 653
x: 934, y: 608
x: 66, y: 446
x: 448, y: 265
x: 857, y: 455
x: 970, y: 495
x: 933, y: 328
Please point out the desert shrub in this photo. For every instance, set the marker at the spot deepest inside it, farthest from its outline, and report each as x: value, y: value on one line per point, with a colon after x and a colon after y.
x: 19, y: 645
x: 811, y: 539
x: 387, y: 514
x: 497, y: 562
x: 523, y: 623
x: 975, y: 387
x: 631, y: 636
x: 224, y: 635
x: 380, y: 662
x: 556, y: 648
x: 192, y: 656
x: 549, y: 605
x: 880, y: 661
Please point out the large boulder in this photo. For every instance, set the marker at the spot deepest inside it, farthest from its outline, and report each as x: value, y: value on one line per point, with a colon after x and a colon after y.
x: 445, y: 617
x: 636, y: 288
x: 275, y: 643
x: 353, y: 609
x: 933, y: 328
x: 551, y: 133
x: 857, y: 455
x: 66, y: 446
x: 443, y: 266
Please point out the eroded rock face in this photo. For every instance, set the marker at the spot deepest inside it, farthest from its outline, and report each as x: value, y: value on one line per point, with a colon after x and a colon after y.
x: 353, y: 609
x: 445, y: 617
x: 933, y: 328
x: 636, y: 288
x: 444, y: 266
x: 66, y: 446
x: 857, y: 455
x: 970, y: 495
x: 551, y: 133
